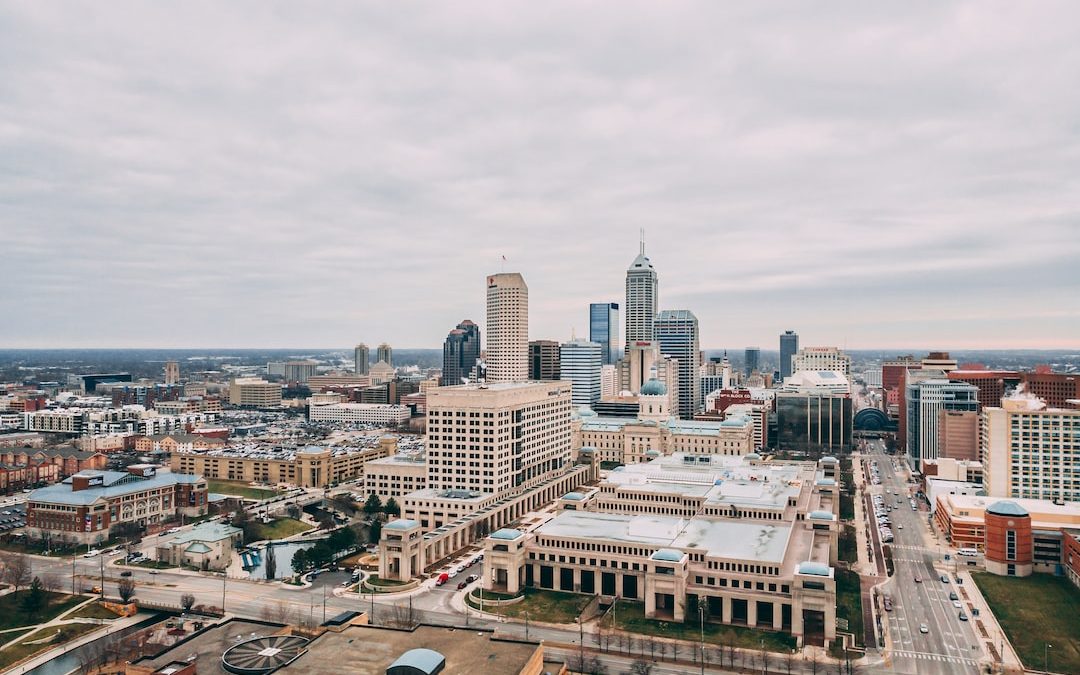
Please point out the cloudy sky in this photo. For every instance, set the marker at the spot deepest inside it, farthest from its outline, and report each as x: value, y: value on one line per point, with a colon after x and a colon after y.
x: 270, y: 174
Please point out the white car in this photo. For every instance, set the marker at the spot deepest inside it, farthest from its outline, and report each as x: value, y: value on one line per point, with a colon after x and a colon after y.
x: 172, y: 530
x: 923, y: 628
x: 956, y: 604
x: 92, y: 553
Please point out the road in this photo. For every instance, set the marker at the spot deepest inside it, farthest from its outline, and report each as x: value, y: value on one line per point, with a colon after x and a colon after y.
x: 950, y: 645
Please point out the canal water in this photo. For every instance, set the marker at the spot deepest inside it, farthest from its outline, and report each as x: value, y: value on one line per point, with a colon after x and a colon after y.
x: 283, y: 551
x: 69, y: 661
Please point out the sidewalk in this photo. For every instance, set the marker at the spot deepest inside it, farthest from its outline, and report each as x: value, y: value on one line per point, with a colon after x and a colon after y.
x: 996, y: 636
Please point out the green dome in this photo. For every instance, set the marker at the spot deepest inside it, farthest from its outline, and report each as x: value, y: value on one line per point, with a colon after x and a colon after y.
x: 1007, y: 508
x: 653, y: 387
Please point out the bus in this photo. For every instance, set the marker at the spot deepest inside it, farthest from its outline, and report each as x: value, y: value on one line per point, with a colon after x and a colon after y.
x: 969, y: 552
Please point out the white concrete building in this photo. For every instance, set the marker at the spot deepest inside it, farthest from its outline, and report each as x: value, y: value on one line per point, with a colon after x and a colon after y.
x: 580, y: 363
x: 1031, y: 451
x: 642, y: 296
x: 822, y: 358
x: 360, y: 413
x: 507, y: 328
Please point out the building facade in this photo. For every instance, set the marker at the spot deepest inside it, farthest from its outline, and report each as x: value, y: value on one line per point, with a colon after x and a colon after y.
x: 378, y: 414
x: 579, y: 364
x: 604, y: 330
x: 679, y: 338
x: 253, y: 392
x: 1031, y: 451
x: 789, y: 344
x: 642, y: 298
x: 544, y: 360
x: 751, y: 360
x: 926, y: 397
x: 385, y: 353
x: 461, y: 351
x: 361, y: 359
x: 507, y: 328
x: 822, y: 358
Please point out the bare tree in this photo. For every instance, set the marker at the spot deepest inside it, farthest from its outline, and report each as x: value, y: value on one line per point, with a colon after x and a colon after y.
x: 187, y: 601
x: 675, y: 650
x: 789, y: 660
x: 17, y: 570
x: 52, y: 583
x: 641, y: 667
x: 631, y: 642
x: 650, y: 642
x: 276, y: 613
x: 588, y: 665
x: 403, y: 615
x: 812, y: 659
x: 126, y: 589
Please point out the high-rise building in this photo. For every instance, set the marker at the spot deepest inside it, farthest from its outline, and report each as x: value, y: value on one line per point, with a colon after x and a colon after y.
x: 172, y: 372
x: 608, y: 381
x: 927, y: 393
x: 461, y: 350
x: 544, y: 360
x: 252, y: 392
x: 385, y: 353
x: 360, y: 359
x: 507, y: 328
x: 677, y: 333
x: 822, y: 358
x: 789, y: 344
x: 604, y: 329
x: 497, y: 437
x: 642, y: 295
x: 579, y: 364
x: 751, y: 360
x: 1030, y: 450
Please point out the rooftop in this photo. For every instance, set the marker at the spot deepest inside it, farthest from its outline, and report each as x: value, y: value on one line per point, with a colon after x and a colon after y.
x: 114, y: 484
x: 208, y: 531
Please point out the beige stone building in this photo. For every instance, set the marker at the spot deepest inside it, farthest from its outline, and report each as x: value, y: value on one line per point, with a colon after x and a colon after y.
x: 395, y: 476
x: 1031, y: 451
x: 958, y: 434
x: 507, y: 328
x: 254, y: 392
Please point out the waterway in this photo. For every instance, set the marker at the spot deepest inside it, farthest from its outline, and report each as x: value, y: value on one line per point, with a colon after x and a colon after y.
x: 283, y: 555
x: 69, y: 661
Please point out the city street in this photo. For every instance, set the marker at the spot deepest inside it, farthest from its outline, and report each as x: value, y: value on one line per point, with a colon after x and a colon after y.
x: 949, y: 645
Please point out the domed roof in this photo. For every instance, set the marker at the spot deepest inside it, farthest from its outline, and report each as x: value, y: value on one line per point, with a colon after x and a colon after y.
x: 752, y: 456
x: 1007, y: 508
x: 653, y: 387
x: 815, y: 568
x: 586, y: 411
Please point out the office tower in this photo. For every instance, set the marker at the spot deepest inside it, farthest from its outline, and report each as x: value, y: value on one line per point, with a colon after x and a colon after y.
x: 1039, y: 462
x: 604, y: 329
x: 789, y: 344
x: 544, y: 360
x: 507, y: 328
x: 461, y: 350
x: 751, y: 360
x: 677, y: 333
x: 822, y: 358
x: 385, y: 353
x: 641, y: 300
x: 172, y: 372
x: 252, y: 392
x: 579, y: 364
x: 608, y: 381
x: 527, y: 435
x: 939, y: 361
x: 360, y: 359
x: 814, y: 412
x: 927, y: 393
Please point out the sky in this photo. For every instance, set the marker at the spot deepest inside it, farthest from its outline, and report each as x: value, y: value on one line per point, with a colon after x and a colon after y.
x: 273, y: 174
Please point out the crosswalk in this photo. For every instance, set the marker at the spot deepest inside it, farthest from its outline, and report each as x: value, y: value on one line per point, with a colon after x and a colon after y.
x: 925, y: 656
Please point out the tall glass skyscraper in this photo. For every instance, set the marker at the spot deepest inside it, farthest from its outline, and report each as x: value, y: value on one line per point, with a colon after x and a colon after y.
x: 461, y: 351
x: 579, y: 363
x: 604, y: 329
x: 751, y: 360
x: 789, y: 344
x: 677, y: 332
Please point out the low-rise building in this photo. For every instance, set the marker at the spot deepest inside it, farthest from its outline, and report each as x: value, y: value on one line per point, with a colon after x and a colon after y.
x: 395, y: 476
x: 360, y: 413
x: 207, y: 546
x: 67, y: 459
x: 254, y: 392
x: 170, y: 443
x: 85, y: 507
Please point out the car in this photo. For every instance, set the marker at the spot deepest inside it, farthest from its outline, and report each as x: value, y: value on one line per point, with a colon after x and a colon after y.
x: 958, y: 580
x: 888, y: 603
x: 900, y: 526
x: 462, y: 585
x: 443, y: 578
x: 956, y: 604
x: 944, y: 578
x: 917, y: 579
x: 92, y: 553
x: 962, y: 616
x: 172, y: 530
x: 126, y: 573
x: 923, y: 628
x: 153, y: 571
x: 471, y: 578
x: 953, y: 596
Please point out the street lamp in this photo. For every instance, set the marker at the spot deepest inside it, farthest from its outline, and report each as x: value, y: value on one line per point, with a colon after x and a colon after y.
x: 1046, y: 657
x: 701, y: 644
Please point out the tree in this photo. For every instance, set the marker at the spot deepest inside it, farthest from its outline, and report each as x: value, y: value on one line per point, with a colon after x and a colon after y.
x: 812, y: 658
x: 187, y: 601
x: 299, y: 561
x: 789, y: 660
x: 374, y: 532
x: 126, y: 589
x: 52, y: 583
x: 17, y: 570
x: 588, y: 665
x: 33, y: 601
x: 373, y: 504
x: 392, y: 508
x: 342, y: 539
x: 242, y: 519
x: 641, y: 667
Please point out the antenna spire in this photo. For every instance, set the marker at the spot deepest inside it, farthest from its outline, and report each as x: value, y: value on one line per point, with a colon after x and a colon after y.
x: 643, y: 241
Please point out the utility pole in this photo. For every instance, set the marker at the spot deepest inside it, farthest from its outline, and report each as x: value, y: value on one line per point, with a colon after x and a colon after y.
x: 324, y: 603
x: 701, y: 616
x: 581, y: 640
x: 224, y: 577
x: 101, y: 561
x: 73, y: 572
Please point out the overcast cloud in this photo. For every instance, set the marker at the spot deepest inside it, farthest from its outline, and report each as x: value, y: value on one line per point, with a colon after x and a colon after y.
x: 276, y: 174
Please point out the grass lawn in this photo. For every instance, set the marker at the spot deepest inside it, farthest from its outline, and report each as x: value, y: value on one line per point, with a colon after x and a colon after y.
x: 149, y: 564
x: 92, y: 611
x: 374, y: 580
x: 849, y: 602
x: 848, y: 544
x: 478, y: 592
x: 21, y: 650
x: 1033, y: 611
x: 13, y: 616
x: 630, y: 616
x: 550, y: 606
x: 279, y: 528
x: 847, y: 507
x: 239, y: 488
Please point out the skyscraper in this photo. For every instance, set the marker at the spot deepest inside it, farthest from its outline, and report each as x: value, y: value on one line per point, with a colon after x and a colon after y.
x: 385, y: 353
x: 604, y: 329
x: 641, y: 300
x: 579, y: 364
x: 507, y: 328
x: 677, y: 333
x: 751, y: 359
x: 543, y: 360
x: 789, y: 344
x: 927, y: 393
x: 460, y: 353
x: 360, y: 359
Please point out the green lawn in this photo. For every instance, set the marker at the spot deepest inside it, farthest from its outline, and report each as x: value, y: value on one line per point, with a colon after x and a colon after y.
x: 279, y: 528
x: 848, y: 544
x: 238, y: 488
x: 92, y: 611
x: 550, y: 606
x: 375, y: 580
x: 1034, y: 611
x: 849, y: 602
x: 21, y: 650
x: 13, y: 616
x: 630, y: 616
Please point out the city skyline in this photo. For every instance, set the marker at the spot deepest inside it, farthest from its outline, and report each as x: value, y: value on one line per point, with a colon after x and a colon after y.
x: 163, y: 190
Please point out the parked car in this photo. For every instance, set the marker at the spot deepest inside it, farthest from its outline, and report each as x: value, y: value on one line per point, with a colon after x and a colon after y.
x: 944, y: 578
x: 443, y: 578
x: 92, y: 553
x: 923, y: 628
x: 471, y: 578
x: 462, y: 585
x: 126, y: 573
x: 917, y: 579
x: 962, y: 616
